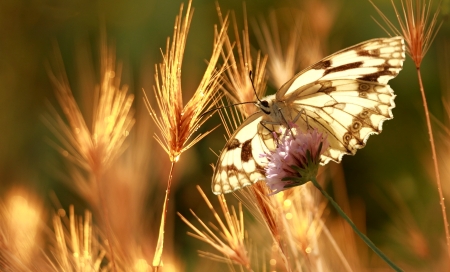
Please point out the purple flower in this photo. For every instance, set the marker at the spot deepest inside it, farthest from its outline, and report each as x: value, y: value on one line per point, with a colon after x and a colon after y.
x: 296, y: 159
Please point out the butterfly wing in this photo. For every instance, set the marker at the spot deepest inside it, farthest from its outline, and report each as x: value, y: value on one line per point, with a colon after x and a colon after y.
x: 240, y: 164
x: 346, y: 94
x: 377, y: 60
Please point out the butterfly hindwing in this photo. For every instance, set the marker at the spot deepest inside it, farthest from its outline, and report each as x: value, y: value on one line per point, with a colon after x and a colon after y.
x: 240, y: 163
x: 348, y: 111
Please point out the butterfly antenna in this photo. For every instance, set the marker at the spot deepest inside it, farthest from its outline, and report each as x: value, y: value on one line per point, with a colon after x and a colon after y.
x: 250, y: 75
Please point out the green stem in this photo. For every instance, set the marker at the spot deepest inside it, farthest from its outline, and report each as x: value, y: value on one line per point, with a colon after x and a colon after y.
x: 350, y: 222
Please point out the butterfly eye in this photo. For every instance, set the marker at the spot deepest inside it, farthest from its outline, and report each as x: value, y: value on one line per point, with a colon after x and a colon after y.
x: 265, y: 103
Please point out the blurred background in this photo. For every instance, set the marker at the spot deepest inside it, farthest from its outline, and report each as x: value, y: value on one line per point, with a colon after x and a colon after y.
x: 390, y: 184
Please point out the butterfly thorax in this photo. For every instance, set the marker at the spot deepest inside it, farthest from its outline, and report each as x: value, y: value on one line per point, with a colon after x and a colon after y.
x: 277, y: 111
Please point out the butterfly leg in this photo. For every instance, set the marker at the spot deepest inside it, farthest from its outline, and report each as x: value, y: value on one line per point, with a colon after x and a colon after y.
x: 299, y: 115
x: 271, y: 131
x: 305, y: 119
x: 290, y: 124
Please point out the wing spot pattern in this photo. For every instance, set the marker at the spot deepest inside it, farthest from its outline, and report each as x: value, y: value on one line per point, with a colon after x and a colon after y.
x: 246, y: 153
x: 231, y: 170
x: 260, y: 170
x: 364, y: 87
x: 385, y: 69
x: 344, y: 67
x: 322, y: 65
x: 363, y: 53
x: 374, y: 76
x: 368, y: 53
x: 233, y: 144
x: 356, y: 126
x: 364, y: 114
x: 347, y: 137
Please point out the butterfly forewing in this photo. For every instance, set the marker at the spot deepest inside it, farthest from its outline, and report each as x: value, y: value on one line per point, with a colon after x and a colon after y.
x: 344, y: 95
x: 377, y: 60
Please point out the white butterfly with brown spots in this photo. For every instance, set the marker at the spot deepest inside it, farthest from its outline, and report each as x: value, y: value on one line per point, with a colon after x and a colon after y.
x: 345, y: 95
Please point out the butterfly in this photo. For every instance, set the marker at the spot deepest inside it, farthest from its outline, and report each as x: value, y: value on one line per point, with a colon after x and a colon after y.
x: 345, y: 95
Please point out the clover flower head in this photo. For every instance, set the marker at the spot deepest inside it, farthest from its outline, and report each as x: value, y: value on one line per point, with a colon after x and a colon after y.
x: 296, y: 159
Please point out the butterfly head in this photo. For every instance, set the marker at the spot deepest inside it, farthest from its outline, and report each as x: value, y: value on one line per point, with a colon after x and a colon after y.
x: 265, y: 105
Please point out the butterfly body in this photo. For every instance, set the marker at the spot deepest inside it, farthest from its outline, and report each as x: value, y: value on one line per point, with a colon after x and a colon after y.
x: 345, y: 95
x: 274, y: 110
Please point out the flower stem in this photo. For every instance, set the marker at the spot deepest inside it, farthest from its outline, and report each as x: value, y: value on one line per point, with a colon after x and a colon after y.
x: 436, y: 168
x: 157, y: 261
x: 350, y: 222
